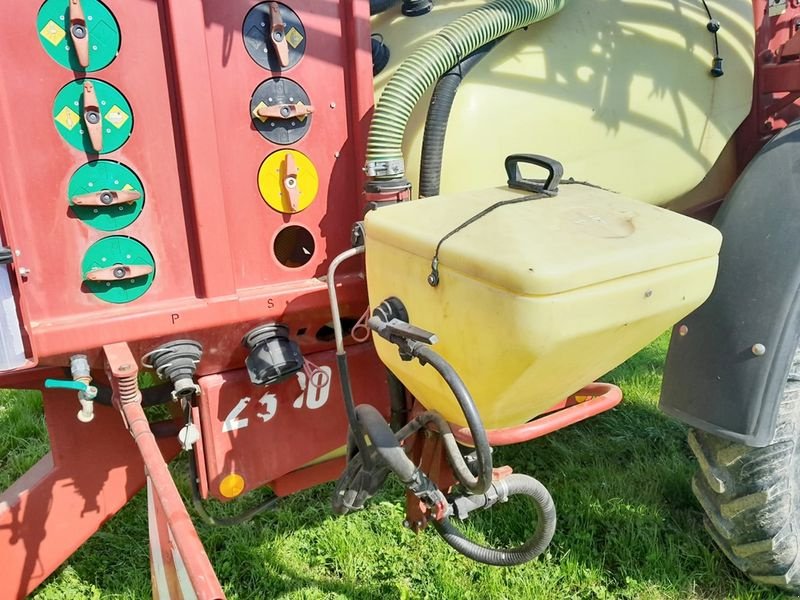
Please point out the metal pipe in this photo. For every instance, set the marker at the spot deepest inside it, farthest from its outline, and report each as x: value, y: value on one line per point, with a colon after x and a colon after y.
x: 605, y: 397
x: 201, y: 574
x: 337, y: 324
x: 341, y: 355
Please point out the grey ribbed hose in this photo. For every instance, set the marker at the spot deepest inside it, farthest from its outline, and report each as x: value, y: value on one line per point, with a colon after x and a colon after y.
x: 433, y: 59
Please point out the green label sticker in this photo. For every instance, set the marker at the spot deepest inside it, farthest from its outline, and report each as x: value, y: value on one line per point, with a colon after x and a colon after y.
x: 117, y: 116
x: 106, y: 176
x: 101, y: 27
x: 118, y: 251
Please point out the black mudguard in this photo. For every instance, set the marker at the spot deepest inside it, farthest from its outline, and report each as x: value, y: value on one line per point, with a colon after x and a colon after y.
x: 714, y: 380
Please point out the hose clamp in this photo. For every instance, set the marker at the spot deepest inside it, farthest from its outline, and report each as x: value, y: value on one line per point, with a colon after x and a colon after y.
x: 391, y: 168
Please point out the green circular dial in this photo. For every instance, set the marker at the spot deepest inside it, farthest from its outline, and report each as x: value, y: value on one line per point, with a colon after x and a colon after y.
x: 101, y: 28
x: 114, y: 251
x: 116, y: 116
x: 101, y: 176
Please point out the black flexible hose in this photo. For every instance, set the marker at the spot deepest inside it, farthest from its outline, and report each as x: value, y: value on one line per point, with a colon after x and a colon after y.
x: 482, y: 448
x: 430, y: 172
x: 533, y: 547
x: 460, y: 469
x: 384, y: 442
x: 397, y: 401
x: 379, y: 6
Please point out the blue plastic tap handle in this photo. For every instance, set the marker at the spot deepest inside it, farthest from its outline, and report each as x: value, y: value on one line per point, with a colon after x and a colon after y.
x: 65, y: 384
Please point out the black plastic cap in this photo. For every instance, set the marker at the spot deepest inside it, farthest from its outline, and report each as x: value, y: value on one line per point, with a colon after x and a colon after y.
x: 380, y: 55
x: 416, y: 8
x: 716, y: 67
x: 273, y: 356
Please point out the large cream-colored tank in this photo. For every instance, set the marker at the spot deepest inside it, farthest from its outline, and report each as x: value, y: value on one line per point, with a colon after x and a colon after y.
x: 618, y: 90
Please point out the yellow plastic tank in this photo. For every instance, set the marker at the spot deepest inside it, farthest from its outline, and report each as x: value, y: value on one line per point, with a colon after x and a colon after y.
x: 619, y: 90
x: 537, y: 298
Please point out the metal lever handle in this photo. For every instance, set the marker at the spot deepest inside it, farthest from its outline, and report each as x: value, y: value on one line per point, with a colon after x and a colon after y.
x: 106, y: 198
x: 284, y: 111
x: 277, y: 34
x: 65, y: 384
x: 395, y: 328
x: 119, y: 272
x: 79, y: 32
x: 290, y: 185
x: 91, y: 116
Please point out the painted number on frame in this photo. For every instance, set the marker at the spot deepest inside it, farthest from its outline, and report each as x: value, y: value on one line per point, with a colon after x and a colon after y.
x: 313, y: 395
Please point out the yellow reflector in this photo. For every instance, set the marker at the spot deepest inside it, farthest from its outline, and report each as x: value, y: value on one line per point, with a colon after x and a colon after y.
x: 231, y: 485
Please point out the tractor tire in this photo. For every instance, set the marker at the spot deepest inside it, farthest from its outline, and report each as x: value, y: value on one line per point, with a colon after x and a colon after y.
x: 751, y: 496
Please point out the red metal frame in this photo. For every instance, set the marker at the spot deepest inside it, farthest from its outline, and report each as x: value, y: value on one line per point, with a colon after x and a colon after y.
x: 181, y: 566
x: 91, y: 472
x: 776, y: 87
x: 264, y: 433
x: 188, y: 78
x: 588, y: 402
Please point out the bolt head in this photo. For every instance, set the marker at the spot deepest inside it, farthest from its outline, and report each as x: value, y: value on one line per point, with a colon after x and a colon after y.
x: 683, y: 330
x: 758, y: 349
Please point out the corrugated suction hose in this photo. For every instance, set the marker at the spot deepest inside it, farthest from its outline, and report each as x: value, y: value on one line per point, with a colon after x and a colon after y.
x: 432, y: 60
x: 499, y: 557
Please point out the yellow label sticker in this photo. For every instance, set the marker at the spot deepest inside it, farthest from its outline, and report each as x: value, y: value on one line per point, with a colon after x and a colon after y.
x: 300, y: 105
x: 294, y: 38
x: 53, y: 33
x: 127, y: 187
x: 258, y: 108
x: 68, y: 118
x: 116, y: 116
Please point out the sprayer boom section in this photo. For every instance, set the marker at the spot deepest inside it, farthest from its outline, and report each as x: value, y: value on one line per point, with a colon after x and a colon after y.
x: 204, y: 208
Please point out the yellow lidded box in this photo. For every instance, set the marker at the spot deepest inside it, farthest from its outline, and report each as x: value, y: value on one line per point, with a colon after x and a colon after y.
x: 537, y: 298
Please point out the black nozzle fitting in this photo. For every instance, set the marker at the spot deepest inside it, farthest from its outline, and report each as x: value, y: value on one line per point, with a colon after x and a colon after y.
x: 272, y: 355
x: 176, y: 361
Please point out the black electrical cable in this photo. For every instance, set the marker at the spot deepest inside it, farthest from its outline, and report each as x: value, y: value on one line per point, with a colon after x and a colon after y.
x: 714, y: 26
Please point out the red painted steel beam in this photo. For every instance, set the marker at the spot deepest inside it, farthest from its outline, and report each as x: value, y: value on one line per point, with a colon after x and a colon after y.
x: 604, y: 396
x: 91, y: 472
x: 122, y: 370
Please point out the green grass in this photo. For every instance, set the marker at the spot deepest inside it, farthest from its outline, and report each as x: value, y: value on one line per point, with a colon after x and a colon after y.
x: 628, y: 526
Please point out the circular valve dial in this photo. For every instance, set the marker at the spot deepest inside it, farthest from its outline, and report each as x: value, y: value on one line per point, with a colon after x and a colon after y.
x: 92, y: 116
x: 81, y: 35
x: 106, y: 195
x: 281, y: 111
x: 274, y: 36
x: 118, y: 269
x: 288, y: 181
